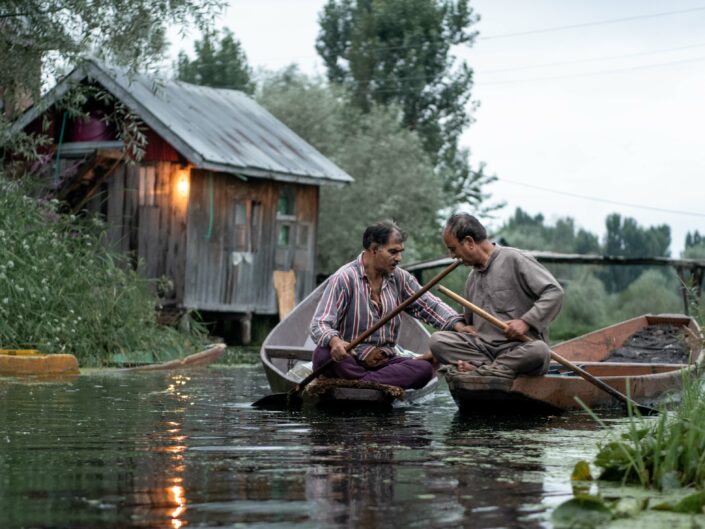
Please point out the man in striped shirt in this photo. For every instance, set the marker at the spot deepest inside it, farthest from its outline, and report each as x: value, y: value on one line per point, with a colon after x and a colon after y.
x: 357, y: 296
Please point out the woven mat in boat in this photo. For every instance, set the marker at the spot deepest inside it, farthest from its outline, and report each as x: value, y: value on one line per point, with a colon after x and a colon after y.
x: 321, y: 385
x: 654, y: 344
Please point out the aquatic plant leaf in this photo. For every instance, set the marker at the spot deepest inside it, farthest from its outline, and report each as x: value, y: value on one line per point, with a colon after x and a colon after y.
x: 692, y: 504
x: 663, y: 506
x: 581, y: 472
x: 581, y: 512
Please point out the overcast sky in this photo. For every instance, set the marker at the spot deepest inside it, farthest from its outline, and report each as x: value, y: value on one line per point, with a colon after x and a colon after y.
x: 586, y: 107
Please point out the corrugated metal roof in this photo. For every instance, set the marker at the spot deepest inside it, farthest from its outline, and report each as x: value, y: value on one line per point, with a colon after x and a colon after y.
x: 215, y: 128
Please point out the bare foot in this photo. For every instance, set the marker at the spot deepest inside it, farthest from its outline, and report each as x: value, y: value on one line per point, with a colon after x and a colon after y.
x: 465, y: 367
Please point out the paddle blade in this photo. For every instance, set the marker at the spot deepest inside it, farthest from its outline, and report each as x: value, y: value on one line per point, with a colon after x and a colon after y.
x: 278, y: 401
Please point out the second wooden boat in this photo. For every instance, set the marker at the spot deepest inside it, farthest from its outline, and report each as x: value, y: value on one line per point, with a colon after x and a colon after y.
x: 287, y: 350
x: 645, y: 378
x: 211, y: 354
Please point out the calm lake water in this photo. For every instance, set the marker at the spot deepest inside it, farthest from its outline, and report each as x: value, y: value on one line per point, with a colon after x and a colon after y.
x: 109, y: 450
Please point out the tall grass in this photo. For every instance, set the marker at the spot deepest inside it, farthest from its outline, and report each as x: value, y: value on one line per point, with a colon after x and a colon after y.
x: 62, y: 291
x: 662, y: 452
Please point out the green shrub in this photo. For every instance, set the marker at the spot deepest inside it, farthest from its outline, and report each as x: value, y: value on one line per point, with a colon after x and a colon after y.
x: 652, y: 292
x: 62, y: 291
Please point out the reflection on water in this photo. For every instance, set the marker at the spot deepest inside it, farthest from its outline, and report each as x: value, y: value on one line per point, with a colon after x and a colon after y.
x: 172, y: 450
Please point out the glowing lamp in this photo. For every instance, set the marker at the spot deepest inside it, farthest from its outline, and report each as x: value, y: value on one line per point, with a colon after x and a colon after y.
x: 182, y: 183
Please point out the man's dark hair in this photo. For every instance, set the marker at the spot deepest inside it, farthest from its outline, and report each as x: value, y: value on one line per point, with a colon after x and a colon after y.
x: 380, y: 233
x: 463, y: 225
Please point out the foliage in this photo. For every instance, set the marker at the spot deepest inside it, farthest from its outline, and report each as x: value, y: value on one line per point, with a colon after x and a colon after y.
x: 220, y: 64
x: 531, y: 233
x: 625, y: 237
x: 585, y: 308
x: 399, y: 52
x: 393, y: 177
x: 43, y: 39
x: 666, y: 453
x: 694, y: 246
x: 62, y: 291
x: 651, y: 292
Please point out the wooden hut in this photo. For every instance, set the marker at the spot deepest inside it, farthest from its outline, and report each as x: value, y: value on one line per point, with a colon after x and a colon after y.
x: 224, y: 196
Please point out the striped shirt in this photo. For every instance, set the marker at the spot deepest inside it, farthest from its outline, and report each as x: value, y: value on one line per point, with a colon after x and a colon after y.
x: 346, y: 309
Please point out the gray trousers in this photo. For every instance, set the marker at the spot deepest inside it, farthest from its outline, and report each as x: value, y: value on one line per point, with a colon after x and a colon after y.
x: 507, y: 360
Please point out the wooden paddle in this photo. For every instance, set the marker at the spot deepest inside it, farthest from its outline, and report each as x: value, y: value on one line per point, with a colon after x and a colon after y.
x: 292, y: 397
x: 555, y: 356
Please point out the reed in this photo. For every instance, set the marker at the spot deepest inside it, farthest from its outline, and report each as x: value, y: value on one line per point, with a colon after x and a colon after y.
x: 63, y: 291
x: 661, y: 452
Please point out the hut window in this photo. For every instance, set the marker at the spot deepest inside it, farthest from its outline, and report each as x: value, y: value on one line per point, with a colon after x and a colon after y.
x: 284, y: 235
x: 147, y: 183
x: 285, y: 204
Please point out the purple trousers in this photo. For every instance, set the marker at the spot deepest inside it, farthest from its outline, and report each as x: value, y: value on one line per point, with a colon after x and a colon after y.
x: 406, y: 373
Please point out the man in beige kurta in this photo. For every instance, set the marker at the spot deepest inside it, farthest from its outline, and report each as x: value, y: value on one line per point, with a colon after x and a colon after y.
x: 511, y: 285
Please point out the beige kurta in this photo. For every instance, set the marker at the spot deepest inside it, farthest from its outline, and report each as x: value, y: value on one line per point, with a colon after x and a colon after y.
x: 513, y: 285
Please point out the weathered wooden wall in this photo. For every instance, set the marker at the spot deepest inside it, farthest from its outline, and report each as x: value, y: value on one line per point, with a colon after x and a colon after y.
x: 221, y: 243
x: 146, y: 219
x: 233, y: 246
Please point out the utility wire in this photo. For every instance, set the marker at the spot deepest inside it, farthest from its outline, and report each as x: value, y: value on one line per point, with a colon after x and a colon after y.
x: 604, y: 200
x: 423, y: 42
x: 589, y: 74
x: 589, y: 24
x: 592, y: 59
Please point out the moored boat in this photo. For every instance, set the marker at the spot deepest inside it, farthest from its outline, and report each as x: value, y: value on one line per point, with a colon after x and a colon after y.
x: 286, y: 355
x: 203, y: 358
x: 646, y: 377
x: 25, y: 362
x: 29, y: 362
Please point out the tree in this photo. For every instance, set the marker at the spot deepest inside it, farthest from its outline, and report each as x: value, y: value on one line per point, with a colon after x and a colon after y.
x: 584, y: 307
x: 398, y: 51
x: 530, y: 233
x: 625, y: 237
x: 41, y: 39
x: 394, y: 178
x: 694, y: 246
x: 652, y: 293
x: 218, y: 64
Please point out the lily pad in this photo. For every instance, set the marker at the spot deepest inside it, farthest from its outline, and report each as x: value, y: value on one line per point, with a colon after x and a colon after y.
x: 692, y: 504
x: 582, y: 512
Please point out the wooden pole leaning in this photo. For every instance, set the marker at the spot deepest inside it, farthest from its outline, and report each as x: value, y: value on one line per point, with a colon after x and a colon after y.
x: 554, y: 356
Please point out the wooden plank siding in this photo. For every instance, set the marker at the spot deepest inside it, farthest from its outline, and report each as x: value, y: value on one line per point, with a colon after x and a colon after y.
x: 232, y: 242
x: 220, y: 244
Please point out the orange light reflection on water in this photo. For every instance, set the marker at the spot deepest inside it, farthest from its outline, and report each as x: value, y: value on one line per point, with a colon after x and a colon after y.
x: 177, y: 492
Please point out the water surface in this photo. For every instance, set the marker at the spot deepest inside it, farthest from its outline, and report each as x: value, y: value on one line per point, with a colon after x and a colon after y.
x: 166, y: 450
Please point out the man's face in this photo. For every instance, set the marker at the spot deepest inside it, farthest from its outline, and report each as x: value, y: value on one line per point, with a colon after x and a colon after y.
x: 388, y: 256
x: 464, y: 250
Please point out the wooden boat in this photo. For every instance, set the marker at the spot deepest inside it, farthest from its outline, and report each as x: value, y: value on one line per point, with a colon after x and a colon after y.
x: 29, y: 362
x: 201, y: 359
x: 647, y: 383
x: 289, y: 346
x: 26, y: 362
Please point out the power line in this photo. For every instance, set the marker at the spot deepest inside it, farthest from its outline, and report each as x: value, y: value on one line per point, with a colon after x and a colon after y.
x: 592, y: 59
x: 589, y: 24
x: 600, y: 72
x: 606, y: 201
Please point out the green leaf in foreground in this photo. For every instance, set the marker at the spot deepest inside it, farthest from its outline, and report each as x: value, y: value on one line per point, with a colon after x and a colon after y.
x: 581, y: 512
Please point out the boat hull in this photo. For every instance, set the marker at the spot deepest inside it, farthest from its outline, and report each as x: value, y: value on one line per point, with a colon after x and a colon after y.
x: 38, y: 365
x: 289, y: 345
x: 647, y: 384
x: 200, y: 359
